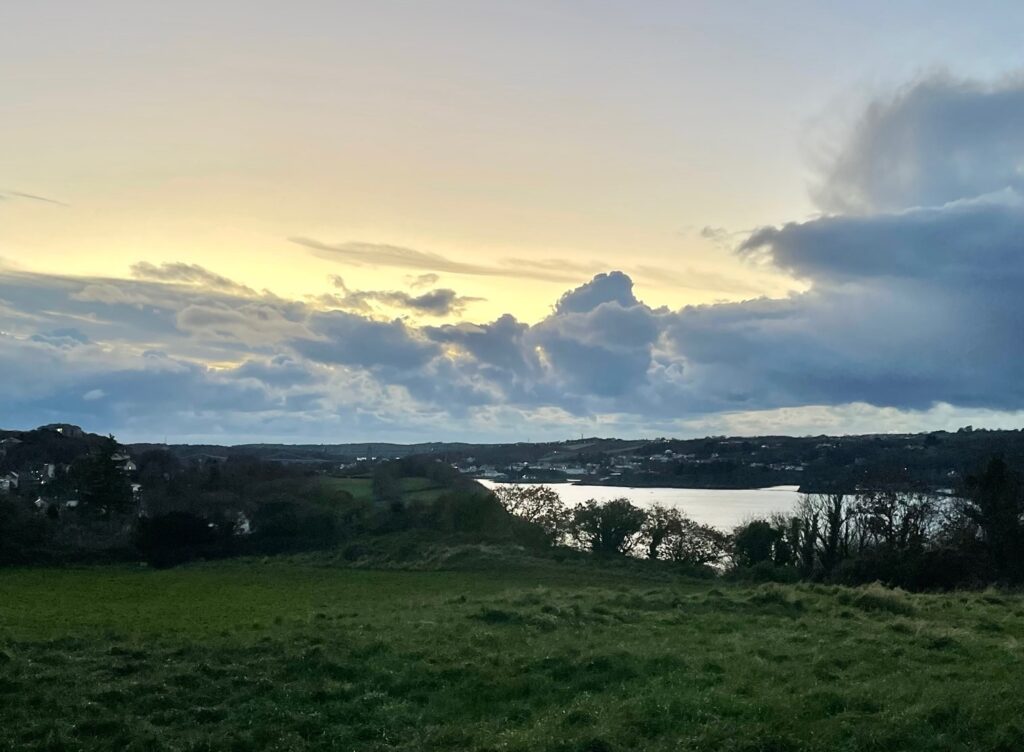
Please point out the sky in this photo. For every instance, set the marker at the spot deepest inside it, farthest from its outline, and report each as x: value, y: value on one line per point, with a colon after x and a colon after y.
x: 336, y: 221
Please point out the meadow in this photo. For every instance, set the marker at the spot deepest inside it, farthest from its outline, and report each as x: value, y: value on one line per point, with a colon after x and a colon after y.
x: 302, y: 654
x: 361, y: 488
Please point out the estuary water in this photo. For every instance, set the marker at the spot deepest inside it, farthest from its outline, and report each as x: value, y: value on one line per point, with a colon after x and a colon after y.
x: 723, y: 509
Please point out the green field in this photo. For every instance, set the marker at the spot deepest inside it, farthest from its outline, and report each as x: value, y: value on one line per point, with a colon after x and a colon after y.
x: 294, y: 654
x: 413, y: 489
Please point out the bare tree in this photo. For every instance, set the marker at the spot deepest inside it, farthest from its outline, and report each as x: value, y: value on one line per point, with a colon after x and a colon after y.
x: 825, y: 519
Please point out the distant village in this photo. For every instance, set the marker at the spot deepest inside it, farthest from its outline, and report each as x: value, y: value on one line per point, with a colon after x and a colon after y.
x: 37, y: 465
x: 608, y: 470
x: 46, y: 481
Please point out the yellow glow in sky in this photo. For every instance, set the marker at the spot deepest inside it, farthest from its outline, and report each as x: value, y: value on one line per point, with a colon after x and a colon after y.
x: 204, y: 139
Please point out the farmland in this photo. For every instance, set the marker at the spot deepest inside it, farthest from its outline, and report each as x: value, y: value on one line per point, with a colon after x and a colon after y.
x: 301, y: 654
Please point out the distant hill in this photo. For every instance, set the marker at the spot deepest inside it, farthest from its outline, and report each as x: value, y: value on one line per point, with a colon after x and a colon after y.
x: 57, y: 443
x: 938, y: 459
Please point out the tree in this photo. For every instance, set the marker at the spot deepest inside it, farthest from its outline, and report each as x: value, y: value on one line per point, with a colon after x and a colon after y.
x: 670, y: 534
x: 825, y: 519
x: 696, y: 544
x: 895, y: 520
x: 808, y: 529
x: 754, y: 543
x: 102, y: 483
x: 994, y: 502
x: 538, y: 505
x: 662, y: 524
x: 175, y: 537
x: 614, y: 527
x: 386, y: 484
x: 156, y: 467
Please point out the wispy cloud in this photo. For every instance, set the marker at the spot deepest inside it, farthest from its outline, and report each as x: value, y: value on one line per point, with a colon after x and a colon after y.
x: 30, y: 197
x: 188, y: 274
x: 420, y: 281
x: 546, y: 270
x: 379, y: 254
x: 695, y: 279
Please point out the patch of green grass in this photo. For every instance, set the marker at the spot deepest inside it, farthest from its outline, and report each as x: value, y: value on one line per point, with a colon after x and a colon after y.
x: 421, y: 489
x: 300, y: 655
x: 361, y: 489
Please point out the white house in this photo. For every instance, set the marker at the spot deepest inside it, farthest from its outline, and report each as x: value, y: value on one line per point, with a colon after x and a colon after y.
x: 8, y: 482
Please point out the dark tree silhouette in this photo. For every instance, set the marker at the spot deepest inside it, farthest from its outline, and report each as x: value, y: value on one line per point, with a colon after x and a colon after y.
x: 994, y: 502
x: 614, y: 527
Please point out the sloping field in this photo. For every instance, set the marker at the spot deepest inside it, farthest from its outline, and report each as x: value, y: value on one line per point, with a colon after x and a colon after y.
x: 291, y: 655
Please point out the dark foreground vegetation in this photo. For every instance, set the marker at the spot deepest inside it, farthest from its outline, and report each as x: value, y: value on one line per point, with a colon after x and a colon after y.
x: 84, y: 498
x: 498, y: 652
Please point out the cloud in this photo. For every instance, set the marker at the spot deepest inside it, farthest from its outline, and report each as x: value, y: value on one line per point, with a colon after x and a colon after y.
x: 975, y: 241
x: 253, y: 323
x: 614, y: 287
x: 112, y: 294
x: 695, y: 279
x: 423, y: 280
x: 910, y: 317
x: 936, y: 140
x: 348, y: 339
x: 440, y: 303
x: 66, y: 338
x: 375, y: 254
x: 188, y: 274
x: 30, y: 197
x: 544, y: 270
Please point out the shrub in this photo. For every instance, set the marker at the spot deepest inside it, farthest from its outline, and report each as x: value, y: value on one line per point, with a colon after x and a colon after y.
x: 176, y: 537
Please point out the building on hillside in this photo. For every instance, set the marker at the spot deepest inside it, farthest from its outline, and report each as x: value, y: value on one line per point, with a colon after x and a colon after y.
x: 64, y: 429
x: 124, y: 462
x: 9, y: 443
x: 9, y: 482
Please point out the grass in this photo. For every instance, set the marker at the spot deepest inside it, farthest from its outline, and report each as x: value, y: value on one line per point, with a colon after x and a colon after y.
x: 300, y: 655
x: 413, y: 489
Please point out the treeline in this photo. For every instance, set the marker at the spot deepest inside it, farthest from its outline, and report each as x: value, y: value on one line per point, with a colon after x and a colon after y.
x: 911, y: 539
x: 242, y: 505
x: 165, y: 511
x: 615, y: 528
x: 248, y: 506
